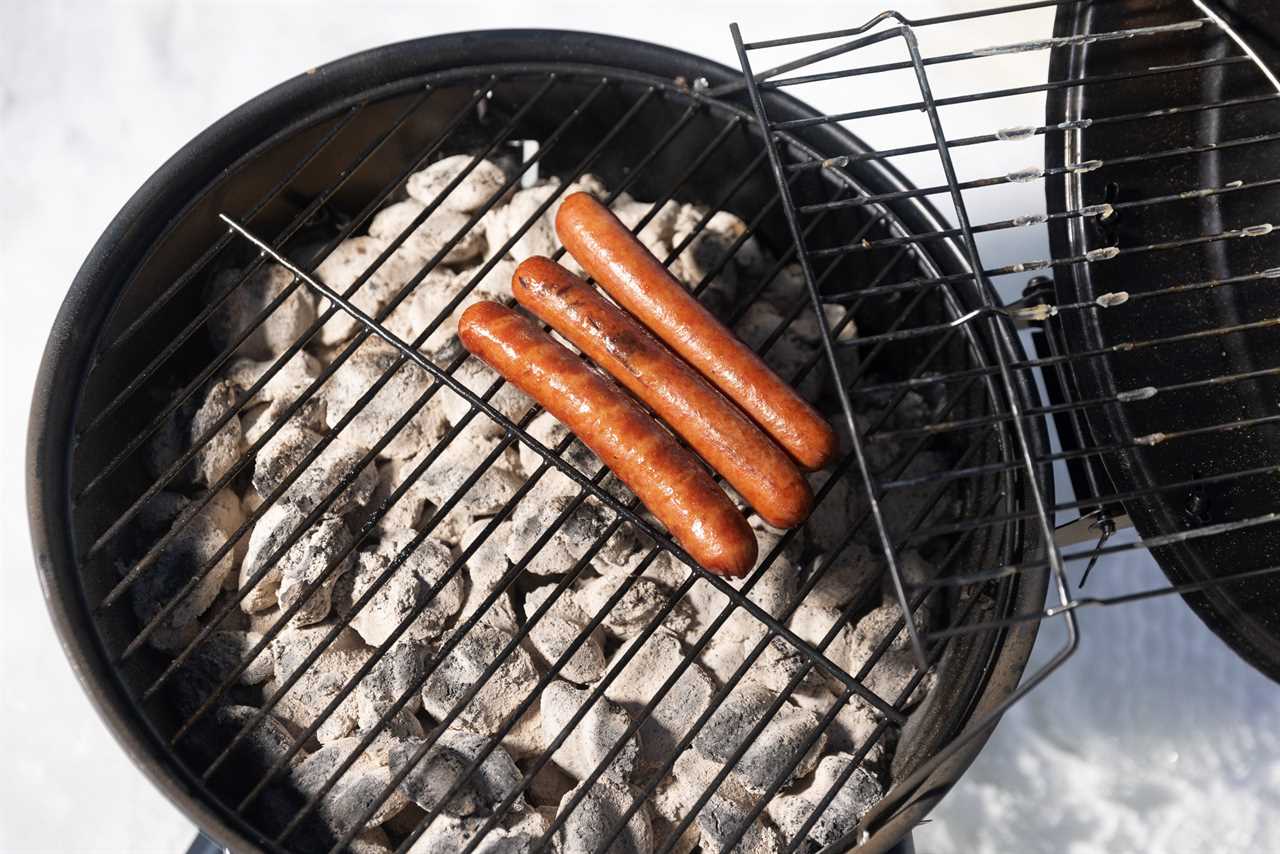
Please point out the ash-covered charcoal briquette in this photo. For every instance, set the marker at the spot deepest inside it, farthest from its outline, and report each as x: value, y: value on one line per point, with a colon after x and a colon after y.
x: 293, y: 644
x: 780, y: 744
x: 288, y: 381
x: 827, y: 528
x: 557, y: 629
x: 640, y: 604
x: 282, y: 455
x: 394, y: 676
x: 657, y: 231
x: 439, y: 300
x: 853, y: 798
x: 440, y: 769
x: 238, y: 315
x: 357, y: 789
x: 349, y: 261
x: 843, y: 577
x: 198, y: 533
x: 485, y: 570
x: 266, y: 741
x: 320, y: 556
x: 460, y: 459
x: 637, y: 685
x: 423, y: 582
x: 349, y: 384
x: 674, y: 799
x: 478, y: 181
x: 853, y: 728
x: 318, y: 685
x: 726, y: 813
x: 218, y: 453
x: 465, y: 666
x: 541, y: 509
x: 594, y: 818
x: 443, y: 227
x: 478, y: 378
x: 788, y: 352
x: 894, y: 670
x: 601, y: 728
x: 305, y: 558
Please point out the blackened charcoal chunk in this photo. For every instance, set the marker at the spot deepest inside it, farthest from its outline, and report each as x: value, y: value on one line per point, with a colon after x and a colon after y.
x: 776, y: 748
x: 441, y: 769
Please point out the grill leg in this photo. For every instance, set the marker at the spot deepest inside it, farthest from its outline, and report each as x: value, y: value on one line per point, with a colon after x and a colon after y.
x: 204, y: 845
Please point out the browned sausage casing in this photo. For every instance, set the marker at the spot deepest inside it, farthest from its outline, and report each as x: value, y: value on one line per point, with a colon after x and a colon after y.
x: 663, y: 475
x: 716, y: 429
x: 612, y: 255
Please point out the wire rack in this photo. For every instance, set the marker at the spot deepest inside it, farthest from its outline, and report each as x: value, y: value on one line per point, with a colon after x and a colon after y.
x: 932, y: 327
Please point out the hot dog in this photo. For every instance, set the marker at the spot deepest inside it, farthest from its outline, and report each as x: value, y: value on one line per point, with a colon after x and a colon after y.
x: 637, y: 281
x: 664, y: 476
x: 716, y: 429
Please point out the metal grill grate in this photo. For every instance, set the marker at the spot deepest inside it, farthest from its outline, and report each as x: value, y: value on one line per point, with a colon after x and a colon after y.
x: 935, y: 371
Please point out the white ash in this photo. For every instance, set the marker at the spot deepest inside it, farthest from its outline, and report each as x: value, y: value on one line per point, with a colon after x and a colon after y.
x: 812, y: 623
x: 375, y: 419
x: 541, y: 509
x: 465, y: 665
x: 480, y: 183
x: 594, y: 817
x: 198, y: 534
x: 278, y: 330
x: 281, y: 456
x: 601, y: 728
x: 558, y: 629
x: 788, y: 353
x: 639, y: 605
x: 858, y: 794
x: 769, y: 753
x: 422, y: 579
x: 478, y: 378
x: 441, y: 768
x: 893, y: 671
x: 775, y: 667
x: 357, y: 789
x: 638, y: 682
x: 432, y: 235
x: 293, y: 644
x: 218, y: 453
x: 408, y: 509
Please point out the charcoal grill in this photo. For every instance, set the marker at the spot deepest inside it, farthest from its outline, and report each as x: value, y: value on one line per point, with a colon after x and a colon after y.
x: 308, y: 163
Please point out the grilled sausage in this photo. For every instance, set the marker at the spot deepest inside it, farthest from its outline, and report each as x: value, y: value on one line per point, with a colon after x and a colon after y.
x: 748, y: 459
x: 637, y: 281
x: 663, y: 475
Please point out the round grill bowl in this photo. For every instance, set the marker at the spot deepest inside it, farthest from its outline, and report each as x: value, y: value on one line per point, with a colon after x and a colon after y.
x: 98, y: 350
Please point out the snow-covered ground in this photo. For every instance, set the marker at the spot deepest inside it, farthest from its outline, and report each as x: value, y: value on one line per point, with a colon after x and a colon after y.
x: 1154, y: 738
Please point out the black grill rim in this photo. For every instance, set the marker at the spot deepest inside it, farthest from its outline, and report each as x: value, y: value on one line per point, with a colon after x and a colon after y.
x: 143, y: 220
